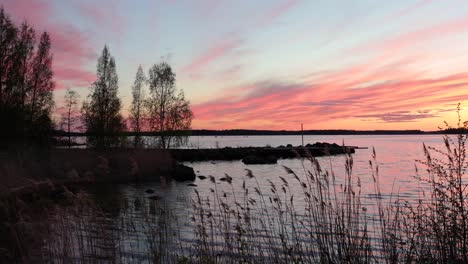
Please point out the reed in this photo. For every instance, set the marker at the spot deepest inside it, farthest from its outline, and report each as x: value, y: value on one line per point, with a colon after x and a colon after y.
x: 328, y: 221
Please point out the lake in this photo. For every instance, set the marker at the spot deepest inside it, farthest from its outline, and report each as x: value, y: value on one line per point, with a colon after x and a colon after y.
x: 396, y: 155
x: 131, y: 213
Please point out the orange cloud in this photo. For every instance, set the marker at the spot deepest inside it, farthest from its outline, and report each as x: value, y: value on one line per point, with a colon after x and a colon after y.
x: 271, y: 105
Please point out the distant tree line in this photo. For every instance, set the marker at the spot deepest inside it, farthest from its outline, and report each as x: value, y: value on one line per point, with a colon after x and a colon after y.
x: 250, y: 132
x: 26, y: 98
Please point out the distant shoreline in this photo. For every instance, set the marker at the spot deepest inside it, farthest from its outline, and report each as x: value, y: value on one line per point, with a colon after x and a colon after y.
x: 251, y: 132
x: 246, y: 132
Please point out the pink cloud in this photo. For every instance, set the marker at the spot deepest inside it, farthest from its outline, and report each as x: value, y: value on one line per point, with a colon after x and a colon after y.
x: 72, y: 48
x: 106, y: 16
x: 34, y: 11
x: 230, y: 73
x: 277, y: 11
x: 428, y: 34
x: 410, y: 39
x: 281, y: 106
x: 72, y: 77
x: 72, y: 52
x: 208, y: 57
x: 231, y: 43
x: 412, y: 8
x: 70, y: 45
x: 208, y: 7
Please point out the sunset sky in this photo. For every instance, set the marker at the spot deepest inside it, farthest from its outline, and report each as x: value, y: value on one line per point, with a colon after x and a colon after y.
x: 273, y: 64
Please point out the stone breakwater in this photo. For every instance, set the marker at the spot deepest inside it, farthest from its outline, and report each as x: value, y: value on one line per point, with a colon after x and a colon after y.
x: 260, y: 155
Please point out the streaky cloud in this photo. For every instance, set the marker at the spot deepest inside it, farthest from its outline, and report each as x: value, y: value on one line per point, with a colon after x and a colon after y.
x: 219, y: 50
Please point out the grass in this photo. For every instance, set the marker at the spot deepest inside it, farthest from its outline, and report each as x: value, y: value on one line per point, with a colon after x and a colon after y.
x: 327, y: 222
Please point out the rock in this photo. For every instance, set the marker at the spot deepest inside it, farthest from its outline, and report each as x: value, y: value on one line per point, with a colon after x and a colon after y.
x: 192, y: 184
x: 149, y: 191
x: 154, y: 197
x: 183, y: 173
x: 252, y: 159
x: 319, y: 144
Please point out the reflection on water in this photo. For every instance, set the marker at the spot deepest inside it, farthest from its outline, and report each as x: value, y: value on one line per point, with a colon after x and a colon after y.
x: 396, y: 155
x: 139, y: 220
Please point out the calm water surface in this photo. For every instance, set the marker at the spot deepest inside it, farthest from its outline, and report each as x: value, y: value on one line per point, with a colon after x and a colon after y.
x: 396, y: 157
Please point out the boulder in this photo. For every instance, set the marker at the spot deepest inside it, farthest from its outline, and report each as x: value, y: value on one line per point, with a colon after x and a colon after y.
x: 183, y: 173
x: 154, y: 197
x: 252, y: 159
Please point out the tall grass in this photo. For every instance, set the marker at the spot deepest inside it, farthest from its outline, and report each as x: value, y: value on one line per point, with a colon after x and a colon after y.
x: 434, y: 230
x: 329, y: 226
x: 328, y: 221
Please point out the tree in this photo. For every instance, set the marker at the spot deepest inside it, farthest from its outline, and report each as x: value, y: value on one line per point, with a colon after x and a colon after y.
x: 137, y: 108
x: 8, y: 39
x: 26, y: 84
x: 101, y: 113
x: 169, y: 112
x: 41, y: 85
x: 70, y: 112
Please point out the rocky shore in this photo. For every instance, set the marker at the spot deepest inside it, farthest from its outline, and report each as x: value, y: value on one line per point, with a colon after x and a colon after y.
x: 260, y: 155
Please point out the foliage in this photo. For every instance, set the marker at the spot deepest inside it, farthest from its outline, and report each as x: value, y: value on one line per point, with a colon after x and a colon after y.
x: 137, y: 112
x: 70, y: 114
x: 434, y: 230
x: 26, y: 84
x: 169, y: 113
x: 101, y: 112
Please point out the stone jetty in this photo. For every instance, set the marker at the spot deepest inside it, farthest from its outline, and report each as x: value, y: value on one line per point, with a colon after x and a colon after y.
x: 260, y: 155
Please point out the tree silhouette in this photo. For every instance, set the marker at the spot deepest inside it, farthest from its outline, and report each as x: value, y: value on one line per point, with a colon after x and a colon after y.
x: 169, y: 112
x: 70, y: 112
x: 101, y: 112
x: 26, y: 84
x: 137, y: 108
x: 40, y: 86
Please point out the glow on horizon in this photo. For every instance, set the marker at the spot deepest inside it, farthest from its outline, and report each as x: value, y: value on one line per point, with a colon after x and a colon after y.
x: 273, y: 64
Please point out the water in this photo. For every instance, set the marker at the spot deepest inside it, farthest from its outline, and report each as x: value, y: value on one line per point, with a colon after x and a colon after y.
x: 396, y: 157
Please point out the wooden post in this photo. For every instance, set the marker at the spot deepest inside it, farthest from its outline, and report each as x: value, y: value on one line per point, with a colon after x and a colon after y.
x: 302, y: 134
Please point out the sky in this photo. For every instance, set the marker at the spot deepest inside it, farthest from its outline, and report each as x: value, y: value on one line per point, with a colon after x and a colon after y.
x: 273, y: 64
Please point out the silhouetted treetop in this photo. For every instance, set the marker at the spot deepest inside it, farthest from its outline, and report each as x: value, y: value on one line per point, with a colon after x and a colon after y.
x: 167, y: 108
x: 26, y: 83
x: 137, y: 109
x: 101, y: 112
